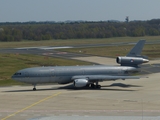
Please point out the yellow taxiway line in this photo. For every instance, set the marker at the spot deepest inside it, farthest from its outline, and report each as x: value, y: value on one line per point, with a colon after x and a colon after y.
x: 56, y: 94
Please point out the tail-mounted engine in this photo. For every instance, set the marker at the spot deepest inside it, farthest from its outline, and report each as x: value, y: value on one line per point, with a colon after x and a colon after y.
x: 131, y: 61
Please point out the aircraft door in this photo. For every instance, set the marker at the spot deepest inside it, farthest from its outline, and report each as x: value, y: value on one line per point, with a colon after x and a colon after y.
x: 26, y: 78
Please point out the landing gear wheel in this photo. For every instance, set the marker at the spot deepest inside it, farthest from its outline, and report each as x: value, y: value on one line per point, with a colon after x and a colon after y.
x: 34, y: 89
x: 87, y: 85
x: 92, y: 86
x: 98, y: 86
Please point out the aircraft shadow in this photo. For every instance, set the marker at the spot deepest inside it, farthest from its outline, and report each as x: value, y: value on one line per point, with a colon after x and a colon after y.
x: 71, y: 87
x: 122, y: 85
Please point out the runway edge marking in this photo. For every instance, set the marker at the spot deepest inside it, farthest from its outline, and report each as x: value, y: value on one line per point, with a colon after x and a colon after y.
x: 56, y: 94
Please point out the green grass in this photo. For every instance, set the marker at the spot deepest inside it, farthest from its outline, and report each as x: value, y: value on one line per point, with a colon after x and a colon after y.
x: 74, y: 41
x: 10, y: 63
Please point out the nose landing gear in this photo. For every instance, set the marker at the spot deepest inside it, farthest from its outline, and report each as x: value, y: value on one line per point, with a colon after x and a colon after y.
x: 34, y: 89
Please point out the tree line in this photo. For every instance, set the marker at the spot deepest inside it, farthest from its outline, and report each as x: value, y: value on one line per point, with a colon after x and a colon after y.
x: 17, y: 31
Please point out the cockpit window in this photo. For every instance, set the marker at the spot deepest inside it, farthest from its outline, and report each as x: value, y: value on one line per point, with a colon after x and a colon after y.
x: 17, y: 74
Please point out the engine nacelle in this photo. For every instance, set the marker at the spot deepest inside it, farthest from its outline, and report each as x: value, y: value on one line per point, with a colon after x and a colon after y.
x: 80, y: 82
x: 131, y: 60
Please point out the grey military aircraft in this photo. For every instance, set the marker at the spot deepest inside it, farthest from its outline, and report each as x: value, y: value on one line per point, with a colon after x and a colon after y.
x: 83, y: 76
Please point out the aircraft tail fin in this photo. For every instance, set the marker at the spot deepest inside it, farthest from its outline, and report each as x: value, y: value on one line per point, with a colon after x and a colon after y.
x: 137, y: 49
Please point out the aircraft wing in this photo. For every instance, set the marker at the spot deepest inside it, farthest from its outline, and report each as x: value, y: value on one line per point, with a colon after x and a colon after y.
x: 103, y: 77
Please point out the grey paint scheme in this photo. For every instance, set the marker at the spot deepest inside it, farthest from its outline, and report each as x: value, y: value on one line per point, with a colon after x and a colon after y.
x: 84, y: 75
x: 137, y: 49
x: 67, y: 74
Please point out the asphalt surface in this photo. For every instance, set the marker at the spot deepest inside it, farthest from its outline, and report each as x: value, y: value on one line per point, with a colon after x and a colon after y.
x: 48, y: 52
x: 98, y: 118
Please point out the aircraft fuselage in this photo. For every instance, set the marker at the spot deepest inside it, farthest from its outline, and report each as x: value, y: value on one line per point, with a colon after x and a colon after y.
x: 64, y: 74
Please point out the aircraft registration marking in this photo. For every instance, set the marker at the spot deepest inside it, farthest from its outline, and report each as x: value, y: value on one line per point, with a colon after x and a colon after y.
x: 42, y: 100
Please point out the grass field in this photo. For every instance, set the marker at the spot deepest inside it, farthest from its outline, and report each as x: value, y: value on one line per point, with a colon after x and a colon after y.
x: 10, y: 63
x: 74, y: 41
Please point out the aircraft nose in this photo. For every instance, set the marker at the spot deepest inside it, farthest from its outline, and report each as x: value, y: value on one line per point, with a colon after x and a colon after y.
x: 13, y: 77
x: 16, y: 76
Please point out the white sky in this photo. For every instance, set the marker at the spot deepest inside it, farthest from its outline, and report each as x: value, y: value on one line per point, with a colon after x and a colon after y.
x: 90, y: 10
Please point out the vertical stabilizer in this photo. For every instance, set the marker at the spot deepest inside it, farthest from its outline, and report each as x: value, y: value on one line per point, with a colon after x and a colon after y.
x: 137, y: 49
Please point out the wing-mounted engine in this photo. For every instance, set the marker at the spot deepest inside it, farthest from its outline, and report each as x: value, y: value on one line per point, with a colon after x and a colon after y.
x: 80, y: 82
x: 131, y: 61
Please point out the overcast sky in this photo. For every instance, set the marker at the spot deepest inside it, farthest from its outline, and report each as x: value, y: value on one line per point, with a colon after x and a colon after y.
x: 90, y: 10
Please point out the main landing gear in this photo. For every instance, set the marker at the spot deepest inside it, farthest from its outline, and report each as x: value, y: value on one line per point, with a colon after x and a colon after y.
x: 34, y: 89
x: 95, y: 85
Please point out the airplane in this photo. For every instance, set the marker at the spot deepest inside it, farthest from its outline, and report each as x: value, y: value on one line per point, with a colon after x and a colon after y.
x: 83, y: 76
